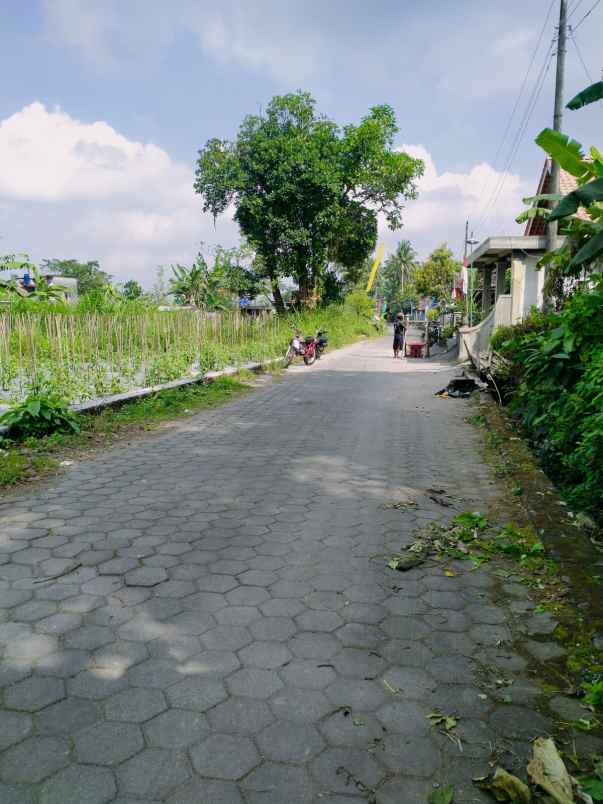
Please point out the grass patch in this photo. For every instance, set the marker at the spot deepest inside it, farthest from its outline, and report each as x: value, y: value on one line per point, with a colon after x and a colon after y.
x: 38, y: 457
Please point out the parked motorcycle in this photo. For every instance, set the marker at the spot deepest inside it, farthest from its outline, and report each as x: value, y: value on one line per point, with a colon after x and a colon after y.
x: 321, y: 342
x: 304, y: 347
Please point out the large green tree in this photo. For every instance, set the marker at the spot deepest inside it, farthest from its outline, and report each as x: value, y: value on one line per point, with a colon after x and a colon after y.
x: 435, y: 276
x: 88, y: 274
x: 306, y: 191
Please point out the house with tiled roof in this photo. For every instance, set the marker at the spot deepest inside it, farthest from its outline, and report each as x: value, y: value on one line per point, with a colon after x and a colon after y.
x: 567, y: 184
x: 510, y: 280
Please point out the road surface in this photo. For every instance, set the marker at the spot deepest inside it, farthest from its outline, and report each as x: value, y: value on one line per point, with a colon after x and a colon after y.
x: 230, y: 632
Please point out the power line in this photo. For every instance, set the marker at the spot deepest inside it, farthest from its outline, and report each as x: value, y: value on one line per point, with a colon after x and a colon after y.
x: 575, y: 8
x: 521, y: 91
x: 588, y: 13
x: 531, y: 105
x: 578, y: 51
x: 587, y: 72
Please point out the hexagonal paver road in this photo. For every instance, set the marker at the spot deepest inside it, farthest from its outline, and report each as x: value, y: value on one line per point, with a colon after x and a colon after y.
x: 205, y: 615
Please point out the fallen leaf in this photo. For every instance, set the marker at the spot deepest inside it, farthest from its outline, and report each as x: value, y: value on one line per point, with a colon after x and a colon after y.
x: 388, y: 686
x: 450, y: 573
x: 440, y: 501
x: 506, y: 787
x: 401, y: 505
x: 547, y: 770
x: 403, y: 563
x: 445, y: 795
x: 449, y: 722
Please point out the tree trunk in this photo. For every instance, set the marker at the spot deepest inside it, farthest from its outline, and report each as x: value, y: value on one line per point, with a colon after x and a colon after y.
x: 276, y: 292
x: 307, y: 291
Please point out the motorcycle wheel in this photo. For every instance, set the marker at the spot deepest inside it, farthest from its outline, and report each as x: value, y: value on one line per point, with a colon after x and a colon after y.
x: 309, y: 359
x: 289, y: 356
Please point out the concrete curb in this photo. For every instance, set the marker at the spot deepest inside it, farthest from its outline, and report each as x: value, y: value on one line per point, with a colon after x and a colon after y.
x: 96, y: 405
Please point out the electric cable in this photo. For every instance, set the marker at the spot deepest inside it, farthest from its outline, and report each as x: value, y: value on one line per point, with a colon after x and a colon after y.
x: 520, y: 95
x: 588, y: 13
x: 531, y: 105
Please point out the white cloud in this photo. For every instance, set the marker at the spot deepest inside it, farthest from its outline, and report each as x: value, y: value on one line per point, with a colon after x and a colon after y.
x: 47, y: 155
x: 446, y: 200
x: 74, y: 189
x: 83, y: 190
x: 267, y: 37
x: 112, y: 34
x: 261, y: 37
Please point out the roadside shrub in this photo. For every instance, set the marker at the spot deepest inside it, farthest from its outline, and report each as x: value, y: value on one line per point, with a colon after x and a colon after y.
x: 559, y: 394
x: 503, y: 338
x: 41, y: 413
x: 361, y: 303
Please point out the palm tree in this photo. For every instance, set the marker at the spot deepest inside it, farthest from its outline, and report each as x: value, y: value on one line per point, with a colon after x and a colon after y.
x: 397, y: 272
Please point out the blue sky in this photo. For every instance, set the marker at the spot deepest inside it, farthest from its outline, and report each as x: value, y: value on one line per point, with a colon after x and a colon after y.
x: 108, y: 101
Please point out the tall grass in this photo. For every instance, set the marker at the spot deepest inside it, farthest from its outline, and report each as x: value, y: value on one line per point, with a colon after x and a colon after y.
x: 86, y: 355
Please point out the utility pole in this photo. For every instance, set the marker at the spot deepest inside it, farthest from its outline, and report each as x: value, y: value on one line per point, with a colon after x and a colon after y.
x: 558, y: 114
x: 466, y: 289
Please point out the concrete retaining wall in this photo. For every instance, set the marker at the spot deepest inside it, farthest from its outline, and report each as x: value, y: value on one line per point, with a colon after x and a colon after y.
x: 96, y: 405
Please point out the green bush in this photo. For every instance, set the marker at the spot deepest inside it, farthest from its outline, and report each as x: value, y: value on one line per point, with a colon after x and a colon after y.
x: 360, y: 303
x: 504, y: 337
x: 41, y: 413
x: 558, y: 396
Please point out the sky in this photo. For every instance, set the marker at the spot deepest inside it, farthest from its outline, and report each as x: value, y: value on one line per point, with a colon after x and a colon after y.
x: 107, y: 102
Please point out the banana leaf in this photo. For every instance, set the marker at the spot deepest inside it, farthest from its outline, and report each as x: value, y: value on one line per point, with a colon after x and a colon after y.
x: 591, y: 94
x: 589, y: 251
x: 534, y: 199
x: 532, y: 212
x: 565, y: 151
x: 582, y: 197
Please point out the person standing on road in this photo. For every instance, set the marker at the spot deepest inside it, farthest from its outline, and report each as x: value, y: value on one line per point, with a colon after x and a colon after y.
x: 399, y: 330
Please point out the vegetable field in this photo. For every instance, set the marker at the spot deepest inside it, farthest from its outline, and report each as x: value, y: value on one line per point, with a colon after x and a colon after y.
x: 84, y: 356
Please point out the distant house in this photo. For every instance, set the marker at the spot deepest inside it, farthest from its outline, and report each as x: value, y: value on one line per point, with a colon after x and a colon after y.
x: 67, y: 283
x: 258, y: 305
x: 511, y: 282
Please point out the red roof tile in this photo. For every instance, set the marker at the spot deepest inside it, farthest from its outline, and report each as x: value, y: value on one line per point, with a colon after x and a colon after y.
x: 567, y: 184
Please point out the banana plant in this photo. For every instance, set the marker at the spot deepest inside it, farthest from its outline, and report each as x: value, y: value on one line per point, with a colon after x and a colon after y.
x: 44, y: 290
x: 198, y: 286
x: 588, y: 171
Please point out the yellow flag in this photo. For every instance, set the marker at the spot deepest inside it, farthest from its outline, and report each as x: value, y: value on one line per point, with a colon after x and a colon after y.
x: 375, y: 267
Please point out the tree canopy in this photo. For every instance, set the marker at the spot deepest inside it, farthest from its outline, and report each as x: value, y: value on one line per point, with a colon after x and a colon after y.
x: 239, y: 271
x: 435, y: 276
x: 132, y: 290
x: 306, y: 191
x: 88, y: 274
